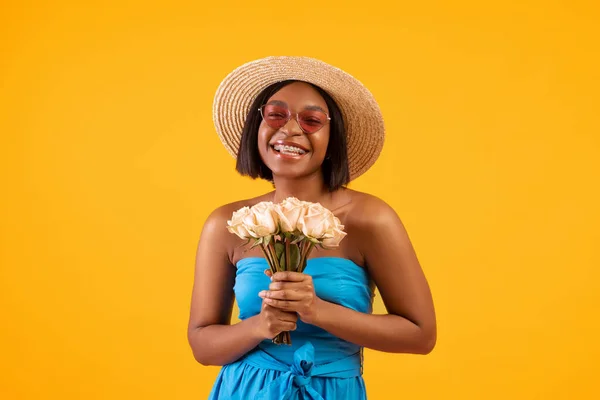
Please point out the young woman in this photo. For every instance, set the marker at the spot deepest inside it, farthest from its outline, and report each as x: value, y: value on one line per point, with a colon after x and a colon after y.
x: 309, y: 128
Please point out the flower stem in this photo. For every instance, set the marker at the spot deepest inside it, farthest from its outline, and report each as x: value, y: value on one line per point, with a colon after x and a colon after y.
x: 302, y: 256
x: 268, y: 257
x: 287, y: 254
x: 283, y: 337
x: 307, y: 247
x: 271, y: 247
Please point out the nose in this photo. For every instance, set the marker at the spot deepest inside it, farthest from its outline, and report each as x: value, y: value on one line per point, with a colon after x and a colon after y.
x: 292, y: 127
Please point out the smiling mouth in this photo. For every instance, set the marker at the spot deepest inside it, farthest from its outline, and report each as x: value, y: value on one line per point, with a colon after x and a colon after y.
x: 288, y: 150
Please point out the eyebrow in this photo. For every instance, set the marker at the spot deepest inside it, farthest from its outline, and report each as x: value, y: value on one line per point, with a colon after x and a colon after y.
x: 283, y: 104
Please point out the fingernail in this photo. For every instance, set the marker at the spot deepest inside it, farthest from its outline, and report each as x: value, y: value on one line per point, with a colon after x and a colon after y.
x: 261, y: 293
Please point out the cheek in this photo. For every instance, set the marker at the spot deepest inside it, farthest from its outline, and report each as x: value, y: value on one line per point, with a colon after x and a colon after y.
x: 320, y: 143
x: 263, y: 139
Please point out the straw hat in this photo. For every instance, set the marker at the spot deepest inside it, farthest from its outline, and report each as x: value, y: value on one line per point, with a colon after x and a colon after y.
x: 361, y: 113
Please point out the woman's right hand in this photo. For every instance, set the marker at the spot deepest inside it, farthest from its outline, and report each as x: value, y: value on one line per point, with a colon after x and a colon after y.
x: 272, y: 321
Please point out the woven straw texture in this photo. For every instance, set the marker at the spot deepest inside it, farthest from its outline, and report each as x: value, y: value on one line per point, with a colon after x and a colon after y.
x: 361, y: 113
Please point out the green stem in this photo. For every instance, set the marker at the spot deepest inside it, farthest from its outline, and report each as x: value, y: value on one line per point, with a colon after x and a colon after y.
x: 287, y: 253
x: 268, y: 257
x: 301, y: 263
x: 283, y: 337
x: 307, y: 248
x: 274, y: 255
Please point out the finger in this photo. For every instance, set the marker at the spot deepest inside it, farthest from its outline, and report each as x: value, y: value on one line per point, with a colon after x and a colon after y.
x: 268, y: 272
x: 281, y: 304
x: 285, y: 316
x: 289, y: 276
x: 280, y: 314
x: 285, y: 285
x: 292, y: 327
x: 282, y: 295
x: 288, y: 326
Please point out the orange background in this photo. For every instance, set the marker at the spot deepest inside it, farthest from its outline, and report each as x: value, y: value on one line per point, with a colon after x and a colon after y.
x: 110, y: 165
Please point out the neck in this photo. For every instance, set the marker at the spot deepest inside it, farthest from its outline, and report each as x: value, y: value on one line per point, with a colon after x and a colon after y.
x: 310, y: 188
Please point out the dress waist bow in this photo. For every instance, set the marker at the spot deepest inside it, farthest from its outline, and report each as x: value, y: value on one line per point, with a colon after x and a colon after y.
x: 296, y: 377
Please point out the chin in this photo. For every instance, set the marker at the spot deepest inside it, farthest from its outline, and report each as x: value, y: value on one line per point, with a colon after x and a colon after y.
x: 291, y: 174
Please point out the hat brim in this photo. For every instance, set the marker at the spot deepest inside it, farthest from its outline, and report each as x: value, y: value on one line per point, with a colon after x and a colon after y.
x: 365, y: 131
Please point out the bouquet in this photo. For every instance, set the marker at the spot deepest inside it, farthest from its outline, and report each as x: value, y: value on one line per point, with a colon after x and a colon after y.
x: 286, y: 233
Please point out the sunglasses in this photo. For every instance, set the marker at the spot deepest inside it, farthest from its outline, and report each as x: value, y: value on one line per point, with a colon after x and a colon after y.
x: 277, y: 116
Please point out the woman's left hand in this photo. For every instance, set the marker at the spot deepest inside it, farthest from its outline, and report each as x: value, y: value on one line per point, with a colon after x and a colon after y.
x: 293, y: 291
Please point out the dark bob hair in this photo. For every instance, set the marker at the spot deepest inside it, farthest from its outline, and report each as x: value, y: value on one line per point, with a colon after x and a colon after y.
x: 336, y: 172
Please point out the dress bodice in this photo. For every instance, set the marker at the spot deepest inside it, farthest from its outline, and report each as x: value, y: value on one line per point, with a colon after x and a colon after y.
x: 336, y: 280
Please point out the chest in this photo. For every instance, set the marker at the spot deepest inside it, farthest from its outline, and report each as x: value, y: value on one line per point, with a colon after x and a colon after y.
x: 335, y: 280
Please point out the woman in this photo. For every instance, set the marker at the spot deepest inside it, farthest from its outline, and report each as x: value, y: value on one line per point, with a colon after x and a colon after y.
x: 309, y: 128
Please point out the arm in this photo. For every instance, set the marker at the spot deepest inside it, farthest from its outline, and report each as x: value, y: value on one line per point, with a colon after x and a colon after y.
x: 409, y: 326
x: 212, y: 339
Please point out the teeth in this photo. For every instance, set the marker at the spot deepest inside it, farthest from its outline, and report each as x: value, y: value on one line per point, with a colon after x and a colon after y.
x: 288, y: 149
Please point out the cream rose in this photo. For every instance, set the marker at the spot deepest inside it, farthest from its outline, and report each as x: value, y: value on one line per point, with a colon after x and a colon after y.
x: 236, y: 224
x: 262, y: 220
x: 334, y: 235
x: 289, y: 212
x: 316, y: 221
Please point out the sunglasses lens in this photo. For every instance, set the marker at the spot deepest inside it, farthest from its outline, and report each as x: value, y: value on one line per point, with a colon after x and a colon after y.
x: 311, y: 120
x: 276, y: 116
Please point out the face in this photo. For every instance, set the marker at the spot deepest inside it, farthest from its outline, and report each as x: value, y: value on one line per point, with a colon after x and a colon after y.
x: 297, y: 97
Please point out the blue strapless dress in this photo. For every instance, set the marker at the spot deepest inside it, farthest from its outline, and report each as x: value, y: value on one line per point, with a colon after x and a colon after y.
x: 317, y: 365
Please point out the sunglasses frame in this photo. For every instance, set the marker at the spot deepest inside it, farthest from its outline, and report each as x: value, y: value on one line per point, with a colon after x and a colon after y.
x: 290, y: 115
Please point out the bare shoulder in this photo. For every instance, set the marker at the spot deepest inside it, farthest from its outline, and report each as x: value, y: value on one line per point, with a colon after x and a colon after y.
x: 215, y: 227
x: 370, y: 212
x: 370, y: 222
